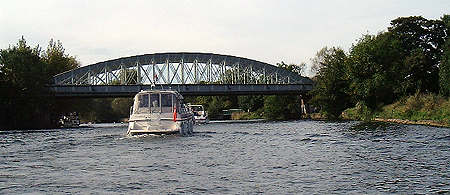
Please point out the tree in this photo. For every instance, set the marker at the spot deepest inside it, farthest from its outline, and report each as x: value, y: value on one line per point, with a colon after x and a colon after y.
x: 21, y: 69
x: 332, y: 83
x: 121, y: 107
x: 380, y: 69
x: 57, y: 60
x: 396, y: 63
x: 373, y: 68
x: 422, y: 43
x: 24, y: 74
x: 298, y: 69
x: 317, y: 61
x: 282, y: 107
x: 444, y: 71
x: 251, y: 102
x: 22, y: 79
x: 444, y: 67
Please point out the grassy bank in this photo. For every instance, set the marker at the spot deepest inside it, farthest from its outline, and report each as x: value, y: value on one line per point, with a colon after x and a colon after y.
x: 246, y: 115
x: 424, y: 109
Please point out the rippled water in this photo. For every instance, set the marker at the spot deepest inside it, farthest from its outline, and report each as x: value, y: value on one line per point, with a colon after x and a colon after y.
x: 222, y: 158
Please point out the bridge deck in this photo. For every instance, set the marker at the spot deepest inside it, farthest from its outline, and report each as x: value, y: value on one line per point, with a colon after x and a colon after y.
x: 185, y: 89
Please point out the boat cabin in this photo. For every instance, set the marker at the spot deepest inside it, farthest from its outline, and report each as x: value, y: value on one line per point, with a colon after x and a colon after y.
x: 149, y: 102
x: 159, y: 112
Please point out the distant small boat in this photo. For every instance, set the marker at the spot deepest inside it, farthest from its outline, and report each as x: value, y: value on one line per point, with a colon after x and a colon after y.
x: 200, y: 115
x: 70, y: 120
x: 160, y: 112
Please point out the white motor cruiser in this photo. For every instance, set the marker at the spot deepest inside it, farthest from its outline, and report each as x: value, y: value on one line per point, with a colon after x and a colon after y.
x: 160, y: 112
x: 200, y: 115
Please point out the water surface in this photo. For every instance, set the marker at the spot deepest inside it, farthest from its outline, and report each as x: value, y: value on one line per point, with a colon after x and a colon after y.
x: 264, y: 157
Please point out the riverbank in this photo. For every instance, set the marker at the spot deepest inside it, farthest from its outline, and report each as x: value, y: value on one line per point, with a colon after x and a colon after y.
x: 409, y: 122
x: 418, y: 109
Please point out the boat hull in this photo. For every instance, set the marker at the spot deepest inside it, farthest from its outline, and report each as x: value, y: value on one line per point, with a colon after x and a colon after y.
x: 149, y: 126
x: 160, y: 112
x: 201, y: 120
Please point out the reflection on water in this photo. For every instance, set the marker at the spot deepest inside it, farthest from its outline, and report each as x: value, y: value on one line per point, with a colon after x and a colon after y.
x: 225, y: 158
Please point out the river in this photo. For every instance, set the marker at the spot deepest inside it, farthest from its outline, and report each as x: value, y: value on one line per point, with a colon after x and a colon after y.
x: 295, y: 157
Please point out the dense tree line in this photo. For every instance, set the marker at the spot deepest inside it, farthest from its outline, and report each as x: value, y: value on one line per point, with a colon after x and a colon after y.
x: 272, y: 107
x: 412, y: 56
x: 25, y: 102
x: 24, y: 73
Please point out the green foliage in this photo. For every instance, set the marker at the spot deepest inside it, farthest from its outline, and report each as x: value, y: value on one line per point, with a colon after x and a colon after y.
x: 21, y: 70
x: 379, y: 69
x: 278, y: 107
x: 444, y: 67
x: 273, y: 107
x: 99, y: 109
x: 282, y: 107
x: 422, y: 43
x: 251, y: 103
x: 21, y: 80
x: 373, y: 70
x: 396, y: 63
x: 444, y: 71
x: 57, y: 60
x: 298, y: 69
x: 317, y: 61
x: 220, y: 103
x: 121, y: 106
x: 24, y: 72
x: 246, y: 115
x: 332, y: 83
x: 359, y: 112
x: 419, y: 107
x: 215, y: 104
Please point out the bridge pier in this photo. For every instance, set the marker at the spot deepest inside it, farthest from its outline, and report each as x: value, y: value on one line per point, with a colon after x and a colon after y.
x: 304, y: 105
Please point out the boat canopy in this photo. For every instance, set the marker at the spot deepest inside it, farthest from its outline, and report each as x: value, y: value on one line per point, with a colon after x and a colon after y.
x: 156, y: 102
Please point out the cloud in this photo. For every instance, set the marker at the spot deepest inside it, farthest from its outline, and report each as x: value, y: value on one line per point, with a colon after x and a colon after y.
x: 269, y: 31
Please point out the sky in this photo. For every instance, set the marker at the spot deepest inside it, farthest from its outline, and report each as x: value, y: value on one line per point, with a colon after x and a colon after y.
x: 269, y: 31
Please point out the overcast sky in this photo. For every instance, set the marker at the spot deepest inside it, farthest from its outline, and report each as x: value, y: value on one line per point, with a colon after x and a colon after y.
x: 268, y: 31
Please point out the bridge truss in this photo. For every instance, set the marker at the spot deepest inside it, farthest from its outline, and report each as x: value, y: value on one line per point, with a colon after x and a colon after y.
x: 178, y: 68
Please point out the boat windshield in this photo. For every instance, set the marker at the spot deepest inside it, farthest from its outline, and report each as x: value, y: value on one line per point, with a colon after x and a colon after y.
x: 154, y: 103
x: 142, y: 104
x: 154, y: 99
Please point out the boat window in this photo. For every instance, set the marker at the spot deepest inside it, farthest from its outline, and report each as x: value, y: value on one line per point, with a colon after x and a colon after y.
x: 166, y: 102
x: 155, y: 106
x: 177, y: 104
x: 197, y: 108
x: 143, y: 100
x: 142, y: 104
x: 182, y: 107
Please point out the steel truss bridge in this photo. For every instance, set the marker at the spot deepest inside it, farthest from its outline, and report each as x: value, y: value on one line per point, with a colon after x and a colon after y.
x: 188, y: 73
